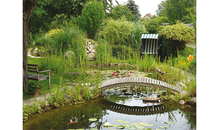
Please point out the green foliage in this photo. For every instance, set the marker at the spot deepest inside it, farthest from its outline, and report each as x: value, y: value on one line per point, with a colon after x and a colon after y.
x: 32, y: 87
x: 167, y: 50
x: 91, y: 18
x: 178, y: 34
x: 102, y: 51
x: 154, y: 25
x: 122, y: 51
x: 120, y: 11
x: 59, y: 41
x: 134, y: 8
x: 177, y: 9
x: 187, y: 51
x: 192, y: 66
x: 161, y: 11
x: 117, y: 31
x: 53, y: 32
x: 134, y: 40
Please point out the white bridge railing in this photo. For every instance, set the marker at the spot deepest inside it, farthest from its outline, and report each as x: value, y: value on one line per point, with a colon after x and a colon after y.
x: 143, y: 81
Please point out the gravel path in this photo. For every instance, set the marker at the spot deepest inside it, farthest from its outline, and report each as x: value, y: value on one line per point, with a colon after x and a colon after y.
x: 32, y: 100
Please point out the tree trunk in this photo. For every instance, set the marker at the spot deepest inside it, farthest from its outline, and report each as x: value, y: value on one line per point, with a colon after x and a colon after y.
x: 177, y: 51
x: 28, y: 8
x: 25, y: 47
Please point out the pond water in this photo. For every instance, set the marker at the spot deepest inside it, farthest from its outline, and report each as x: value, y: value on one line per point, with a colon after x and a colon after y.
x: 118, y: 109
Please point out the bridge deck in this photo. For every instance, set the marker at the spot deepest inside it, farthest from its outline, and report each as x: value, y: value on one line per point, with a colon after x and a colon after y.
x: 141, y: 81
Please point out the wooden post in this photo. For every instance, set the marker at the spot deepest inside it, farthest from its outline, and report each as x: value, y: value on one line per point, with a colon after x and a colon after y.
x: 37, y: 76
x: 148, y: 45
x: 153, y: 95
x: 147, y: 93
x: 145, y: 46
x: 157, y: 46
x: 49, y: 79
x: 151, y: 46
x: 154, y: 47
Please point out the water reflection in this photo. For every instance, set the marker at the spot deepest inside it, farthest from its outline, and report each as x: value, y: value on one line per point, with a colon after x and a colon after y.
x: 77, y: 116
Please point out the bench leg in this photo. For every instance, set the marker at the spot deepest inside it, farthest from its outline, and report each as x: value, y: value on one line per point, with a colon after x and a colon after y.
x: 49, y: 79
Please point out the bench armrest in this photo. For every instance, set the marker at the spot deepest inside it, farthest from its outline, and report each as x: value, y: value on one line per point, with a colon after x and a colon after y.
x: 44, y: 71
x: 32, y: 65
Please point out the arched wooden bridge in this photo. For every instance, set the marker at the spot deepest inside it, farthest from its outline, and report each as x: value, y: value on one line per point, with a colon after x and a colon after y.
x: 138, y: 81
x: 134, y: 110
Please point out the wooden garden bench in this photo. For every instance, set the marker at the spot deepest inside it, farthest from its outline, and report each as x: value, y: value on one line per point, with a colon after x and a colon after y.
x: 34, y: 68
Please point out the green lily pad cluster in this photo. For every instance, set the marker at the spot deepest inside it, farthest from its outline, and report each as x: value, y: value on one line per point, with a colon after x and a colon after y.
x: 132, y: 126
x: 110, y: 74
x: 168, y: 123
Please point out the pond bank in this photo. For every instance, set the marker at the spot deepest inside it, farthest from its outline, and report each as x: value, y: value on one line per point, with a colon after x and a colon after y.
x: 78, y: 116
x: 57, y: 98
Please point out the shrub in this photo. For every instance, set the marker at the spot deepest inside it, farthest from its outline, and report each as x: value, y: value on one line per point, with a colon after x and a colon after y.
x: 117, y: 31
x: 192, y: 66
x: 102, y: 51
x: 134, y: 40
x: 52, y: 32
x: 167, y: 50
x: 178, y: 35
x: 121, y: 10
x: 122, y: 51
x: 32, y: 87
x: 91, y: 18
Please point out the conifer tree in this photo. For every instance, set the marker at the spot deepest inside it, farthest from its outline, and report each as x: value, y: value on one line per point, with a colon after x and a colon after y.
x: 134, y: 8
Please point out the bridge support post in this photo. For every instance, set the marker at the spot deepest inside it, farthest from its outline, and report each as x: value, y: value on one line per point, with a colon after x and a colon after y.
x: 101, y: 94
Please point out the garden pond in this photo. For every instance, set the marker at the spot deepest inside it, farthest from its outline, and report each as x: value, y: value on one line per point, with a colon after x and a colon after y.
x: 118, y: 109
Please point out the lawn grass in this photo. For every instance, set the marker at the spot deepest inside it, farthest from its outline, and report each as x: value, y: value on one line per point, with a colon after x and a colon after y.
x: 55, y: 80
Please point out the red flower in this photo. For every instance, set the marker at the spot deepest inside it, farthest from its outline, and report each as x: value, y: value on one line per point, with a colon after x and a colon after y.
x: 113, y: 74
x: 131, y: 72
x: 95, y: 72
x: 116, y: 75
x: 128, y: 76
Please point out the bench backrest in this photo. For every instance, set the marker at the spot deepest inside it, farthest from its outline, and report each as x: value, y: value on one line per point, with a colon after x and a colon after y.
x: 33, y: 68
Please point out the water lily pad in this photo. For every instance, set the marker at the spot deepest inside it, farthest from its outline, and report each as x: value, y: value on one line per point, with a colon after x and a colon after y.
x: 119, y: 120
x: 131, y: 128
x: 106, y: 124
x: 157, y: 129
x: 169, y: 122
x: 164, y: 127
x: 127, y: 126
x: 93, y: 129
x: 147, y: 124
x: 92, y: 119
x: 147, y: 129
x: 79, y: 129
x: 140, y: 123
x: 124, y: 122
x: 134, y: 123
x: 114, y: 125
x: 139, y: 127
x: 121, y: 127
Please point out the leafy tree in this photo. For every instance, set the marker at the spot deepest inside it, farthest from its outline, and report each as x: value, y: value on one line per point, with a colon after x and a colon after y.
x: 177, y: 9
x: 91, y: 18
x: 154, y: 25
x: 134, y: 9
x: 117, y: 31
x: 178, y: 35
x: 161, y: 11
x: 119, y: 11
x: 28, y: 7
